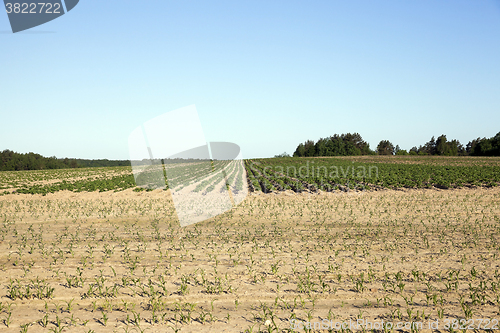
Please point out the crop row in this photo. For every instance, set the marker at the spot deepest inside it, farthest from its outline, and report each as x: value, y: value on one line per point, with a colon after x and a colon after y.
x: 235, y: 178
x: 419, y: 256
x: 16, y: 179
x: 115, y: 183
x: 267, y: 175
x: 331, y: 174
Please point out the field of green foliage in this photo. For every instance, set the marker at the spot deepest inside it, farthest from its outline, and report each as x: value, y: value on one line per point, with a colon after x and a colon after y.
x: 371, y: 172
x: 279, y: 174
x: 77, y: 180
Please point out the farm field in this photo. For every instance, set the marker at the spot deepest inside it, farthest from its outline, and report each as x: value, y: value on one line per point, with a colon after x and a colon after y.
x: 427, y: 160
x: 116, y: 260
x: 327, y: 174
x: 77, y: 180
x: 371, y: 173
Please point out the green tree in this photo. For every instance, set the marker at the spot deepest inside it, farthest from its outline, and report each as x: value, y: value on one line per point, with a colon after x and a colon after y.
x: 284, y: 154
x: 442, y: 147
x: 337, y: 146
x: 399, y: 151
x: 429, y: 148
x: 385, y: 147
x: 310, y: 148
x: 320, y: 147
x: 483, y: 147
x: 495, y: 144
x: 300, y: 151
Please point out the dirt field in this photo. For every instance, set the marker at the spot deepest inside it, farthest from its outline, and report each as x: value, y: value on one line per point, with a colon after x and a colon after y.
x: 119, y: 262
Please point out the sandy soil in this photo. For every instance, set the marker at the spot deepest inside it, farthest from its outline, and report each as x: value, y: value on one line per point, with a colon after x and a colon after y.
x: 119, y: 261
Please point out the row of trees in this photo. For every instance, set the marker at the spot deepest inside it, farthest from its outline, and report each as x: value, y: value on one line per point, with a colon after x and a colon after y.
x: 484, y: 146
x: 101, y: 163
x: 441, y: 146
x: 12, y: 161
x: 337, y: 145
x: 353, y: 144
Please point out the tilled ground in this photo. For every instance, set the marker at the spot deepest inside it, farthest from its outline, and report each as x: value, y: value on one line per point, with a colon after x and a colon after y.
x: 109, y: 262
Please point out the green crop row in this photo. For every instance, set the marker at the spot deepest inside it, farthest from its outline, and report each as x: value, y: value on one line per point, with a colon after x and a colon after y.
x: 115, y: 183
x: 329, y: 174
x: 267, y: 175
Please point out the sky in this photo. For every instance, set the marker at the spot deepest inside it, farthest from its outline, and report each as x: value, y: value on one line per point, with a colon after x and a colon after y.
x: 266, y: 75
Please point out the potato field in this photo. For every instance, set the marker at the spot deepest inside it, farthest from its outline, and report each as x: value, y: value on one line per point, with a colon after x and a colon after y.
x: 318, y: 245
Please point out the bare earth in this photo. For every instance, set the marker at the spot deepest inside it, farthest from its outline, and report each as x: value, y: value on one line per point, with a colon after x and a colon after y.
x: 119, y: 262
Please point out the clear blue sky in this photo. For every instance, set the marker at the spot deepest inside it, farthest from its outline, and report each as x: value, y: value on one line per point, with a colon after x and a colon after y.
x: 266, y: 75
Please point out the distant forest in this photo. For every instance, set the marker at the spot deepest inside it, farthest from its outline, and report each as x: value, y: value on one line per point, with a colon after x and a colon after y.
x: 12, y: 161
x: 353, y: 144
x: 336, y: 145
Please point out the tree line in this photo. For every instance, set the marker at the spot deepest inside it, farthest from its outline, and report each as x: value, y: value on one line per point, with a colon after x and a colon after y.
x: 12, y: 161
x: 337, y: 145
x: 353, y: 144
